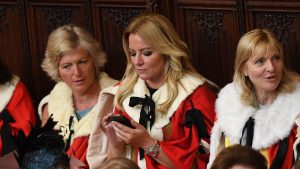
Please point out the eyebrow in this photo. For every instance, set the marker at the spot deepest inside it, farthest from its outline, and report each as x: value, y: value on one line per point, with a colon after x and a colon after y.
x: 142, y: 49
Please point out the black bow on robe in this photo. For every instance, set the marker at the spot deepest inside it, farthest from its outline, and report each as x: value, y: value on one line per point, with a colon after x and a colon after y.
x: 194, y: 117
x: 9, y: 142
x: 249, y: 128
x: 282, y: 148
x: 147, y: 113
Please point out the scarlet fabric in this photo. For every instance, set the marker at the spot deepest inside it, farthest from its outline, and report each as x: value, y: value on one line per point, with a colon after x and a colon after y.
x: 273, y: 123
x: 21, y: 109
x: 78, y: 149
x: 288, y: 160
x: 181, y: 144
x: 61, y: 107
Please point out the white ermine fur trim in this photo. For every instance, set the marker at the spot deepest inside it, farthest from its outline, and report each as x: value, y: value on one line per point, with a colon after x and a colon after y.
x: 6, y: 91
x: 297, y: 121
x: 98, y: 143
x: 272, y: 123
x: 186, y: 87
x: 60, y: 104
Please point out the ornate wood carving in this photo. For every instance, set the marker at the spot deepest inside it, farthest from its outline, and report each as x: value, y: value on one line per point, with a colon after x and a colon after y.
x: 214, y: 25
x: 281, y: 24
x: 2, y: 14
x: 151, y: 5
x: 211, y: 21
x: 240, y: 7
x: 25, y: 40
x: 122, y: 16
x: 58, y: 16
x: 88, y: 10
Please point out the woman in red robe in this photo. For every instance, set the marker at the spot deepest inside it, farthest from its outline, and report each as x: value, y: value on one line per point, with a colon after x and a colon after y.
x: 170, y: 105
x: 17, y: 115
x: 75, y: 60
x: 260, y: 107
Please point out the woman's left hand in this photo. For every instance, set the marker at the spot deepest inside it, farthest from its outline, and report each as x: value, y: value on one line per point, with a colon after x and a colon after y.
x: 138, y: 137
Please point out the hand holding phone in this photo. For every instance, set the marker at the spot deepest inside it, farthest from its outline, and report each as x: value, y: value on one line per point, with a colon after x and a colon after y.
x: 121, y: 119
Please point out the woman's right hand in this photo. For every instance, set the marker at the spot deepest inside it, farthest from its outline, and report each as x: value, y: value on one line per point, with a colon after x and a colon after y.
x: 117, y: 146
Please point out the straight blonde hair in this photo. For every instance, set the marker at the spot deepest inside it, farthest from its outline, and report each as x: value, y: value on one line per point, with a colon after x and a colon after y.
x: 159, y: 33
x: 261, y: 40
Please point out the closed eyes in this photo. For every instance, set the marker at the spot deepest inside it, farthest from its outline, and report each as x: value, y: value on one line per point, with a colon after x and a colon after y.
x: 144, y: 52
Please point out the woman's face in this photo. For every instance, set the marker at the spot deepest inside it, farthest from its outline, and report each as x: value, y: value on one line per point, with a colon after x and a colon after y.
x: 148, y: 63
x: 76, y: 69
x: 264, y: 70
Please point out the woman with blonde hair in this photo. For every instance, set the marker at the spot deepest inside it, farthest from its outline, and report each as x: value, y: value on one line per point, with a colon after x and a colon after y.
x: 170, y: 105
x: 260, y: 106
x: 75, y: 60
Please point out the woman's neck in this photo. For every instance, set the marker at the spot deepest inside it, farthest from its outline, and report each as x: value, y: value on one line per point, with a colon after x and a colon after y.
x: 88, y: 99
x: 155, y: 84
x: 266, y: 98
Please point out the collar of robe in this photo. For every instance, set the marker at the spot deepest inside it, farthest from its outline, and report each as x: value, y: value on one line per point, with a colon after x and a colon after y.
x: 147, y: 113
x: 147, y: 110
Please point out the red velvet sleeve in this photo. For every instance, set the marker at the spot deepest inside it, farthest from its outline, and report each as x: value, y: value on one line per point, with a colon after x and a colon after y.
x: 289, y: 156
x: 78, y: 149
x: 22, y: 110
x: 183, y: 142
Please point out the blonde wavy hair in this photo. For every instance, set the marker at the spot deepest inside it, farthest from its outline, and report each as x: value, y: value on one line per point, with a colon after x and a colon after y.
x: 158, y: 32
x: 68, y: 38
x: 261, y: 40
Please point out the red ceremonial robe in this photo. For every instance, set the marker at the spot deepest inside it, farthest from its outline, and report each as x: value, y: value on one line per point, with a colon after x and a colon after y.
x: 273, y: 123
x: 60, y: 105
x: 16, y: 99
x: 179, y: 142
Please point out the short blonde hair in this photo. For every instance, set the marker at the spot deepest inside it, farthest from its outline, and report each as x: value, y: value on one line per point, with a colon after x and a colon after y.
x: 68, y: 38
x: 159, y: 33
x: 261, y: 40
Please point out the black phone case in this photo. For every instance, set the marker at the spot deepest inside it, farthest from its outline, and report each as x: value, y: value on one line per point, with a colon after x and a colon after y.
x: 121, y: 119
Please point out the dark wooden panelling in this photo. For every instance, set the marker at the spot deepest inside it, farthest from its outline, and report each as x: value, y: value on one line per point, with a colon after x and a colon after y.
x: 284, y: 19
x: 211, y: 35
x: 110, y: 20
x: 211, y: 29
x: 13, y: 44
x: 43, y: 17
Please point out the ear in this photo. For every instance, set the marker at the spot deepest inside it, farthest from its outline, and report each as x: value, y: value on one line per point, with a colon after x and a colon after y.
x: 245, y: 70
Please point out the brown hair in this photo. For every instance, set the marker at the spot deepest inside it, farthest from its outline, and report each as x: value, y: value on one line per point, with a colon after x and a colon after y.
x: 119, y: 163
x: 239, y: 155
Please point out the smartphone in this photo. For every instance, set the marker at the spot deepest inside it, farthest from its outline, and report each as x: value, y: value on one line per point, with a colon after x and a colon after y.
x: 121, y: 119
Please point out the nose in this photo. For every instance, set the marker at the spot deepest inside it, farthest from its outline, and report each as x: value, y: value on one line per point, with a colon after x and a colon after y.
x: 270, y: 66
x: 77, y: 70
x: 138, y: 60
